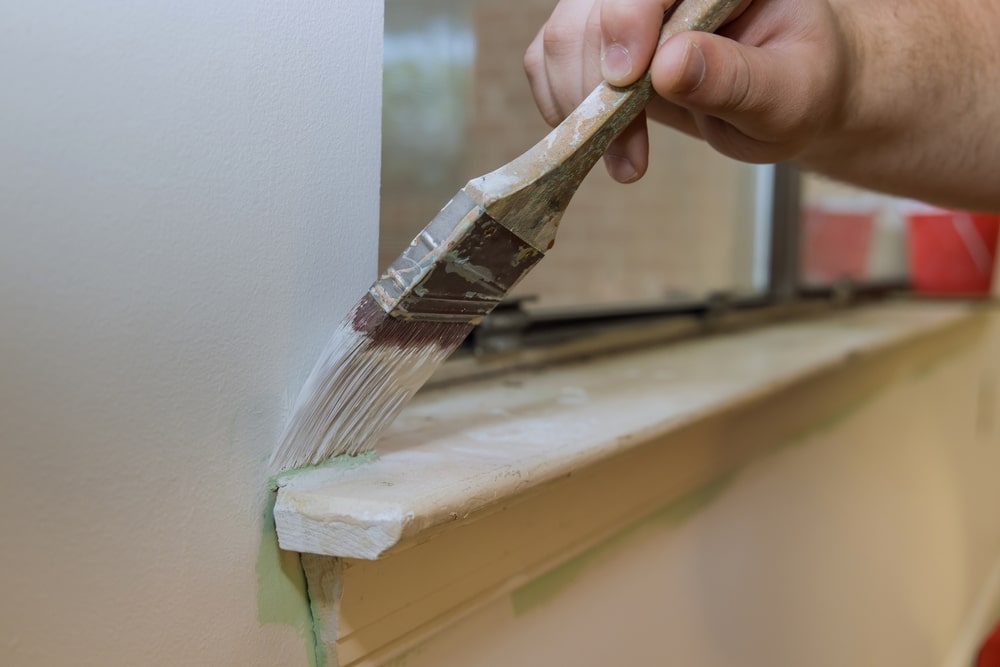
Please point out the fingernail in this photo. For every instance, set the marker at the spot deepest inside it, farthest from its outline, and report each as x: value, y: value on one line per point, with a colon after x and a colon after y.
x: 692, y: 69
x: 620, y: 168
x: 616, y: 63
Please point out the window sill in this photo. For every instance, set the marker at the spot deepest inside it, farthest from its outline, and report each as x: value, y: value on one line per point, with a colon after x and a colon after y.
x: 457, y: 454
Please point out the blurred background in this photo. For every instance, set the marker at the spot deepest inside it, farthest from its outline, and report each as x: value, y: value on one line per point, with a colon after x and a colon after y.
x: 698, y: 226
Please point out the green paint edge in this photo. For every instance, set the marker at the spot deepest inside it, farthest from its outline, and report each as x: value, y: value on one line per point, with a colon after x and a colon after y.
x: 343, y: 462
x: 918, y: 372
x: 548, y: 586
x: 828, y: 424
x: 404, y: 658
x: 318, y: 656
x: 282, y: 592
x: 543, y: 589
x: 282, y: 598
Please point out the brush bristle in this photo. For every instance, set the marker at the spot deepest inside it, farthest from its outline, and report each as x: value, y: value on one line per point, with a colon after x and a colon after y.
x: 368, y: 371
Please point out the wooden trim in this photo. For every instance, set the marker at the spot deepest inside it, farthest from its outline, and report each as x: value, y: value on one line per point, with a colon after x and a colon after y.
x: 370, y: 611
x: 458, y: 454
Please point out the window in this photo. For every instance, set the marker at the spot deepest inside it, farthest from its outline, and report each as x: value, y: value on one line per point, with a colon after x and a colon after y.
x: 457, y: 105
x: 697, y: 231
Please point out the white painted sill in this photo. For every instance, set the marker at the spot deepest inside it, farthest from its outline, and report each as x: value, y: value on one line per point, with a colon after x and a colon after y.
x: 458, y: 453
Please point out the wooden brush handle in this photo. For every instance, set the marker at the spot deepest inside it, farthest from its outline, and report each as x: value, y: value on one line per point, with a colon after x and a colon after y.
x: 559, y: 163
x: 700, y: 15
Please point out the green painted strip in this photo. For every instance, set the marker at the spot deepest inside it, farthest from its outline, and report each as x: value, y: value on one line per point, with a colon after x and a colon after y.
x: 318, y: 656
x: 282, y: 595
x: 281, y: 587
x: 548, y: 586
x: 403, y: 659
x: 343, y: 462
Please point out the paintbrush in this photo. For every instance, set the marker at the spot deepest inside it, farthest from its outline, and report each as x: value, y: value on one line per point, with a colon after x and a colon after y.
x: 492, y: 232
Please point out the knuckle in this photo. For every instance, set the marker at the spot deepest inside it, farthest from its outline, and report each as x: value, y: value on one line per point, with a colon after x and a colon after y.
x: 618, y: 18
x: 592, y: 35
x: 560, y: 38
x: 625, y: 19
x: 533, y: 63
x: 551, y: 118
x: 550, y: 113
x: 732, y: 142
x: 534, y: 68
x: 742, y: 93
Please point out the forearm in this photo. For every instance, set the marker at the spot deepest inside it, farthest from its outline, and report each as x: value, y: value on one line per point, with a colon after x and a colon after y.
x: 921, y: 116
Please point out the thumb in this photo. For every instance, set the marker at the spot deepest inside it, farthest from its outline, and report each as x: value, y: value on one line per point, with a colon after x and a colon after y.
x: 755, y: 90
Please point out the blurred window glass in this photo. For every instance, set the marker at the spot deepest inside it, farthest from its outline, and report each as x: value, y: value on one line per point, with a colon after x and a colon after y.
x: 850, y: 235
x: 457, y: 105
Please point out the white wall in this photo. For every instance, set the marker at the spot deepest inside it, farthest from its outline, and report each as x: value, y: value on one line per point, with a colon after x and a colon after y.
x: 188, y: 203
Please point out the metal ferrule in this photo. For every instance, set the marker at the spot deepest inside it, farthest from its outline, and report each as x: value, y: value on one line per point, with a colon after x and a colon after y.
x: 457, y: 269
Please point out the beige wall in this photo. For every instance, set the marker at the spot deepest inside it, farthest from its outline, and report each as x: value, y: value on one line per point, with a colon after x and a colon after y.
x: 867, y: 539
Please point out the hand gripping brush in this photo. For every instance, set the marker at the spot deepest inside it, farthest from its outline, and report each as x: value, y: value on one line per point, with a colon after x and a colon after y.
x: 457, y: 270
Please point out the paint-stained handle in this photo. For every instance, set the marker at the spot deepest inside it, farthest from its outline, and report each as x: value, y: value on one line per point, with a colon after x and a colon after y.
x: 559, y: 163
x: 700, y: 15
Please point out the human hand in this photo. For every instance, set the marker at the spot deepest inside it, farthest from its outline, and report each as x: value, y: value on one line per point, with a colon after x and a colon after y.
x: 772, y: 81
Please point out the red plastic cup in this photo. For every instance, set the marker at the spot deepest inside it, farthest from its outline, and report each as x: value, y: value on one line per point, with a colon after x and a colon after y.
x: 951, y: 253
x: 837, y: 237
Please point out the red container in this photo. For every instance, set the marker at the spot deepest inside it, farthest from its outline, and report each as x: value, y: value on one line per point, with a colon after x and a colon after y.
x: 989, y: 654
x: 951, y: 252
x: 836, y: 241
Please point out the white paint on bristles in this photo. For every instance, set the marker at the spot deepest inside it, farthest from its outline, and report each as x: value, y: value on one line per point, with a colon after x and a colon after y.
x: 356, y: 389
